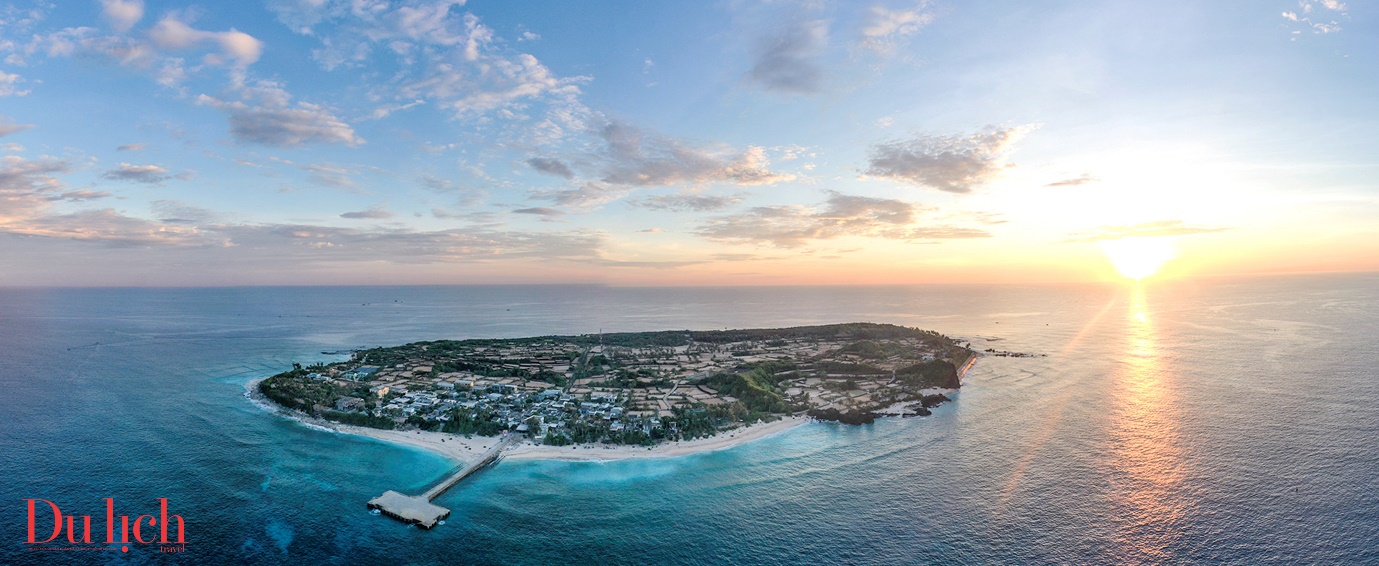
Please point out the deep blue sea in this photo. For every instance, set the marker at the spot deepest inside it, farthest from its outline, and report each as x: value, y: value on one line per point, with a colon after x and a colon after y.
x: 1211, y: 421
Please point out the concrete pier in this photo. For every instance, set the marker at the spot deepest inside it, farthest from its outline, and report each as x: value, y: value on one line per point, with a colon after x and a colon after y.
x: 418, y: 509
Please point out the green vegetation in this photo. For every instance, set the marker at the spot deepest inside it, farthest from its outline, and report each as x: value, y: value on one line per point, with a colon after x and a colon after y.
x: 756, y: 389
x: 935, y: 373
x: 359, y: 419
x: 876, y: 351
x: 464, y: 422
x: 847, y: 368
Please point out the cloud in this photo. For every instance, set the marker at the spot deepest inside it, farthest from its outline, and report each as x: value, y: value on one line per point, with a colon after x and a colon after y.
x: 8, y: 82
x: 651, y: 231
x: 236, y: 47
x: 787, y: 62
x: 500, y: 83
x: 885, y: 29
x: 298, y: 246
x: 646, y: 264
x: 634, y: 157
x: 551, y: 166
x: 122, y: 15
x: 26, y: 184
x: 320, y: 245
x: 466, y: 196
x: 177, y: 212
x: 1154, y: 229
x: 81, y: 195
x: 388, y: 109
x: 265, y: 115
x: 585, y: 196
x: 841, y: 215
x: 373, y: 212
x: 30, y: 187
x: 7, y: 127
x: 151, y: 54
x: 690, y: 202
x: 953, y: 164
x: 109, y: 227
x: 1311, y: 9
x: 442, y: 54
x: 1073, y: 182
x: 88, y: 43
x: 132, y: 147
x: 147, y: 174
x: 740, y: 257
x: 328, y: 175
x: 544, y: 212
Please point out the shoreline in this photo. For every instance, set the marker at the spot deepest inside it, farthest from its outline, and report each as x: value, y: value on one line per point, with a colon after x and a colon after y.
x: 465, y: 449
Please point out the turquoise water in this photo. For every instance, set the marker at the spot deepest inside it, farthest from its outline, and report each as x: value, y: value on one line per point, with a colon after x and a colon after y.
x: 1226, y: 421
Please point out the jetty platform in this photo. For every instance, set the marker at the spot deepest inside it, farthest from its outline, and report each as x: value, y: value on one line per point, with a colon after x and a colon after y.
x: 418, y: 509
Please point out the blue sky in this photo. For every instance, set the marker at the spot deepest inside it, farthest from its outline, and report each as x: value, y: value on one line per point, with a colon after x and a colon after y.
x: 320, y: 141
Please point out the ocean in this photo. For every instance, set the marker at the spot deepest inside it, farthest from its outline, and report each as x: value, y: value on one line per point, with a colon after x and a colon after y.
x: 1208, y: 421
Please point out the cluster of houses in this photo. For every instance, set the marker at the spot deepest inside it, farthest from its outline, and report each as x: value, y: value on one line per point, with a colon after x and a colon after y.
x: 544, y: 387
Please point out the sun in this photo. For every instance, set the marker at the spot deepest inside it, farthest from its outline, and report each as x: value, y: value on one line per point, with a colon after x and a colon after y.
x: 1137, y: 258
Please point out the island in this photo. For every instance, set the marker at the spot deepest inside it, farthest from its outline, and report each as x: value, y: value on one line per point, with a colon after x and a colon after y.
x: 617, y: 395
x: 634, y: 389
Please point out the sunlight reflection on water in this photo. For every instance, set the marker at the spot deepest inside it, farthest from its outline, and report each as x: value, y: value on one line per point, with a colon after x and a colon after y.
x: 1147, y: 465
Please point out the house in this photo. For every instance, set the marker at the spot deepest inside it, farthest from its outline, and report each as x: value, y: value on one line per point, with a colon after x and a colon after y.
x: 349, y: 404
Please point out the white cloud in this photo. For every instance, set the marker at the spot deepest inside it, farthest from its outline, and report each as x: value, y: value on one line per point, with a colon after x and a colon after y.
x: 147, y: 174
x: 545, y: 213
x: 111, y: 228
x: 8, y: 82
x: 948, y: 163
x: 235, y: 46
x: 266, y: 115
x: 793, y: 226
x: 469, y: 90
x: 1312, y: 11
x: 121, y: 14
x: 7, y: 127
x: 445, y: 56
x: 885, y: 28
x: 634, y: 157
x: 28, y: 187
x: 376, y: 212
x: 690, y: 202
x: 150, y: 54
x: 586, y: 196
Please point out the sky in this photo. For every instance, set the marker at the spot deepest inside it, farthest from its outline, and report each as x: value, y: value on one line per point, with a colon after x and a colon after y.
x: 299, y: 142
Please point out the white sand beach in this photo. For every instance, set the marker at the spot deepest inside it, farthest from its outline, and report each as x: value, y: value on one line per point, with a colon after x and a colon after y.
x: 464, y: 449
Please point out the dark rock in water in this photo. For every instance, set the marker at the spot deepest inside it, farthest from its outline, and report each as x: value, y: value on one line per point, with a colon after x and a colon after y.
x: 930, y: 401
x: 852, y: 417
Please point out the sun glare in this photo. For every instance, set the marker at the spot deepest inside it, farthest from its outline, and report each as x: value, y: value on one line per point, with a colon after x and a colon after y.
x: 1137, y: 258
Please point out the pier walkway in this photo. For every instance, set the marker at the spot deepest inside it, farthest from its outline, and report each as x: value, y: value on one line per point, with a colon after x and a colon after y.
x: 418, y: 509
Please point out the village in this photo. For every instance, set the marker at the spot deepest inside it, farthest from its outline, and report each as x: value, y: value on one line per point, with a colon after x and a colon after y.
x: 629, y: 388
